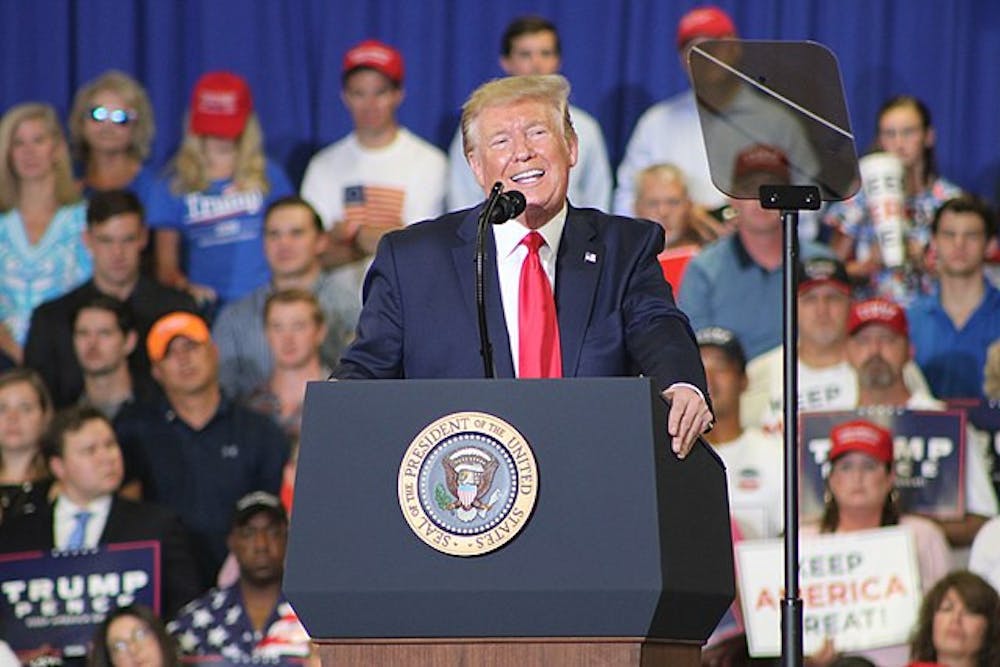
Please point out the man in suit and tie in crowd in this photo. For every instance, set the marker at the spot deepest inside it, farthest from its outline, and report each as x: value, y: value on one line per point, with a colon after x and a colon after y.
x: 603, y: 306
x: 85, y: 458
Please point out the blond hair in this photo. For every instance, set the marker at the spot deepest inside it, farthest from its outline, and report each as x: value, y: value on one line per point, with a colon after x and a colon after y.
x: 135, y: 97
x: 670, y: 173
x: 189, y: 163
x: 66, y: 189
x: 551, y: 89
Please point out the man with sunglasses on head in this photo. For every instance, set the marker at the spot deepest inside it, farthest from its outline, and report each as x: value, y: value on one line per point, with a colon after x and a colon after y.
x: 116, y: 234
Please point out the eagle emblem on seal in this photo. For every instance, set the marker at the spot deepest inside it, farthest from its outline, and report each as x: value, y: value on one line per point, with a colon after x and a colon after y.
x: 468, y: 474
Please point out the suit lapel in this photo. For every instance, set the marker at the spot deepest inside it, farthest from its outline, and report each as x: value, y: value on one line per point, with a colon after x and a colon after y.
x: 464, y: 258
x: 109, y: 534
x: 578, y: 268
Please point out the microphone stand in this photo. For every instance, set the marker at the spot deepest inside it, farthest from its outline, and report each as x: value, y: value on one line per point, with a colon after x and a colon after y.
x: 485, y: 346
x: 790, y: 199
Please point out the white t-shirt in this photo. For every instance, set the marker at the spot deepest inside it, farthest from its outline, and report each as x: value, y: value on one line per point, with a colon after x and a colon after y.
x: 408, y: 164
x: 755, y: 483
x: 668, y: 131
x: 589, y: 180
x: 820, y: 389
x: 985, y: 557
x: 404, y: 180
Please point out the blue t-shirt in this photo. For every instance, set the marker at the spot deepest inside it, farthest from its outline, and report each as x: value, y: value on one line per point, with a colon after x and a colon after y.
x: 952, y: 359
x: 724, y: 287
x: 221, y: 230
x: 142, y: 186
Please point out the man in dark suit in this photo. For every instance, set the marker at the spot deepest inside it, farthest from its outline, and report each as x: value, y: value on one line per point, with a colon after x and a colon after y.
x: 614, y: 312
x: 84, y: 456
x: 116, y: 235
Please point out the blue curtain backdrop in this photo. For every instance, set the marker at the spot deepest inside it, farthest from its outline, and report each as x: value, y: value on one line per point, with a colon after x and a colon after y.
x: 619, y: 55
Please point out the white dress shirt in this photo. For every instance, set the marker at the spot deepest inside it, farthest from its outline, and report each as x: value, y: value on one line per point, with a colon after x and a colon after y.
x: 64, y: 520
x: 511, y: 255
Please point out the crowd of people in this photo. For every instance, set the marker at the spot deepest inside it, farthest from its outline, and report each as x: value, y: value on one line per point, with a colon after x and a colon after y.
x: 158, y: 328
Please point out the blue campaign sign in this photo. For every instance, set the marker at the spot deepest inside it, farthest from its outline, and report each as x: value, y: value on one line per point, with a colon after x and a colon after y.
x: 59, y: 598
x: 984, y: 417
x: 929, y: 448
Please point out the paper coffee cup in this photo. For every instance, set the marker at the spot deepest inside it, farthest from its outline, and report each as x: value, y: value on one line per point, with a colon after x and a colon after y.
x: 882, y: 180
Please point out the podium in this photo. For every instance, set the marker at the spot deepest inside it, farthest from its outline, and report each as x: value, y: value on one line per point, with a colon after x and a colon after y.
x: 625, y: 558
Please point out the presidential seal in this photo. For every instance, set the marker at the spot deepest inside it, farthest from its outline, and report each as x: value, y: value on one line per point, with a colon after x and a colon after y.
x: 467, y: 483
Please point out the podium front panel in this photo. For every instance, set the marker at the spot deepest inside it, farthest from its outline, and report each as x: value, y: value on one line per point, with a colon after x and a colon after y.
x: 624, y: 539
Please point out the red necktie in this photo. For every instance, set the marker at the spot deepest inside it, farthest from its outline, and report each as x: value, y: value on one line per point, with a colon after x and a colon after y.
x: 540, y: 355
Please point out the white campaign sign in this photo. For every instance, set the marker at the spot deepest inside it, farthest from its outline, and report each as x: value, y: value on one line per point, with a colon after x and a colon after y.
x: 861, y: 589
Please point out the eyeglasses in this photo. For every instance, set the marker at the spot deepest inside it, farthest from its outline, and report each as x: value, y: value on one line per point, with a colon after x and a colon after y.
x: 120, y: 646
x: 116, y: 116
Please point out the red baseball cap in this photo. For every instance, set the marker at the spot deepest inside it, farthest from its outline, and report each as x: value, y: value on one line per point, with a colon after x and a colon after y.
x: 861, y: 436
x: 708, y: 21
x: 376, y: 55
x: 220, y: 105
x: 877, y: 311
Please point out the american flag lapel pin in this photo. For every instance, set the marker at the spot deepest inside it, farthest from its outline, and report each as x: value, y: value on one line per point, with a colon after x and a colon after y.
x: 590, y: 257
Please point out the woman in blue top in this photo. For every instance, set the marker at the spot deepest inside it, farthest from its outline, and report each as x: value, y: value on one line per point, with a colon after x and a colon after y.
x: 42, y: 217
x: 210, y: 208
x: 111, y: 129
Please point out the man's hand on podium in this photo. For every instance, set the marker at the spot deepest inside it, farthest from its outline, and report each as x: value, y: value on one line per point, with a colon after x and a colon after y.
x: 688, y: 418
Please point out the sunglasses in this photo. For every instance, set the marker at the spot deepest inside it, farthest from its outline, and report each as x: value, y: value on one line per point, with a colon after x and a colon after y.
x: 116, y: 116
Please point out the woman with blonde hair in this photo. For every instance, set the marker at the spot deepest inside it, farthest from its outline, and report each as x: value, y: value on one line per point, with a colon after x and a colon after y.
x: 210, y: 208
x: 111, y: 129
x: 25, y: 412
x: 42, y: 218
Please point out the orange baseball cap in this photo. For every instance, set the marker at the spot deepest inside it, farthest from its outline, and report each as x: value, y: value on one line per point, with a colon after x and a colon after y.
x: 172, y: 325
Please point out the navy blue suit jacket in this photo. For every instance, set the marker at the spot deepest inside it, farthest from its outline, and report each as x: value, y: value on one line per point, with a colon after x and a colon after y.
x: 617, y: 315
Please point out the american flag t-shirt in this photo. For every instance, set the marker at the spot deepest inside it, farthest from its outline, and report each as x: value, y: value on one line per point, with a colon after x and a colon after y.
x: 377, y: 205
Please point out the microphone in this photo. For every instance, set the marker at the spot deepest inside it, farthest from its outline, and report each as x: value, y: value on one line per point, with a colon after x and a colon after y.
x: 508, y: 206
x: 500, y: 207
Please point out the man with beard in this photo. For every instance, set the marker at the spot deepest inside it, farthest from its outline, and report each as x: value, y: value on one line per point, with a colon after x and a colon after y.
x: 250, y: 621
x: 878, y: 348
x: 826, y: 379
